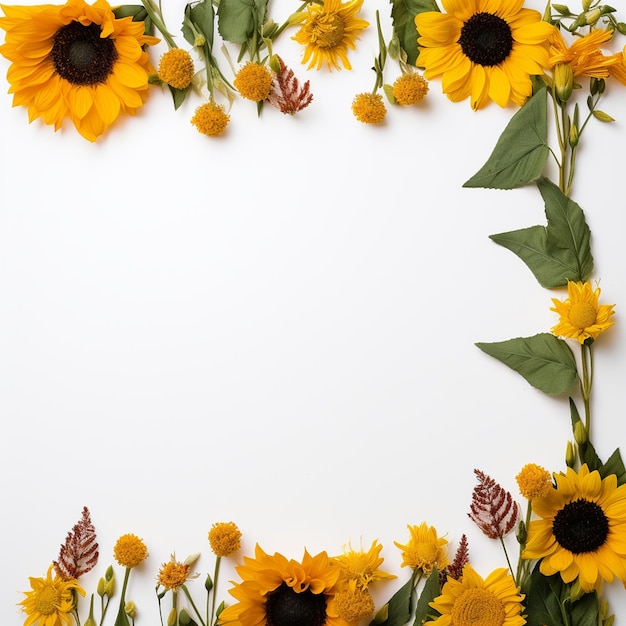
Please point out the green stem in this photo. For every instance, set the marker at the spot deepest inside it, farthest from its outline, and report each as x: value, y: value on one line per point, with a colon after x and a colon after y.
x: 157, y: 19
x: 218, y: 560
x: 586, y: 383
x: 122, y: 618
x: 506, y: 554
x: 522, y: 564
x: 193, y: 604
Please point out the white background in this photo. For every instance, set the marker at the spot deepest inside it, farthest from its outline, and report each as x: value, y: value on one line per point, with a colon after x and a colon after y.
x: 276, y: 327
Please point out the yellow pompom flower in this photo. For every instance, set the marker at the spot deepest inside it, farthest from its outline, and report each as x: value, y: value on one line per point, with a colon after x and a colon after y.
x: 130, y: 551
x: 534, y: 481
x: 424, y: 549
x: 210, y: 119
x: 369, y: 108
x: 581, y: 317
x: 176, y: 68
x: 354, y: 605
x: 50, y: 601
x: 410, y: 88
x: 254, y: 82
x: 225, y: 538
x: 329, y: 29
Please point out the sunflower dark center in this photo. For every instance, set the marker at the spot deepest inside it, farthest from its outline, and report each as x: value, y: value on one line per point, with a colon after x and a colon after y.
x: 285, y: 607
x: 486, y: 39
x: 581, y: 526
x: 81, y: 56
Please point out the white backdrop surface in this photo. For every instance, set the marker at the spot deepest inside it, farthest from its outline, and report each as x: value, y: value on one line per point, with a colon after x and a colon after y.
x: 276, y: 327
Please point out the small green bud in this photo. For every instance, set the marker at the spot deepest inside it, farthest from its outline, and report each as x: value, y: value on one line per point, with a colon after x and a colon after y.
x: 576, y: 591
x: 101, y: 589
x: 621, y: 27
x: 609, y: 621
x: 130, y: 609
x: 561, y: 9
x: 109, y: 588
x: 199, y: 40
x: 91, y: 620
x: 185, y: 619
x: 570, y: 455
x: 208, y: 583
x: 573, y: 136
x: 382, y: 615
x: 563, y: 81
x: 521, y: 533
x: 591, y: 17
x: 172, y: 617
x: 110, y: 573
x: 269, y: 28
x: 274, y: 64
x: 580, y: 433
x: 220, y: 608
x: 586, y: 4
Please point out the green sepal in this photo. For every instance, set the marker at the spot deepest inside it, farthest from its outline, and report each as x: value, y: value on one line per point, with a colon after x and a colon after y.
x: 431, y: 590
x: 521, y: 151
x: 138, y: 13
x: 556, y: 253
x: 199, y: 18
x: 545, y: 361
x: 403, y: 14
x: 400, y: 606
x: 239, y: 19
x: 178, y: 95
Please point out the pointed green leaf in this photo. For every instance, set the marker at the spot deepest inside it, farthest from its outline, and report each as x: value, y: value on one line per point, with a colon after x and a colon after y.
x: 568, y: 234
x: 545, y: 361
x: 602, y: 116
x: 403, y: 14
x: 400, y: 606
x: 238, y: 19
x: 614, y: 465
x: 431, y: 590
x: 542, y: 601
x: 521, y: 151
x: 584, y: 612
x: 178, y: 95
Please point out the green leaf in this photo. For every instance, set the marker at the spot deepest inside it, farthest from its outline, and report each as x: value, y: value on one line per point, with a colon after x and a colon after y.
x: 199, y: 18
x: 137, y: 12
x: 178, y: 95
x: 403, y: 14
x: 556, y: 253
x: 239, y: 19
x: 584, y: 612
x: 545, y: 361
x: 430, y: 591
x: 542, y: 600
x: 614, y: 465
x: 602, y: 116
x: 521, y: 151
x: 400, y: 606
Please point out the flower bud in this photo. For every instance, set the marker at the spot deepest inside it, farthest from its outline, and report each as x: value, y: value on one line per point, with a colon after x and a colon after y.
x: 521, y: 533
x: 185, y: 619
x: 109, y: 588
x: 573, y: 136
x: 199, y: 40
x: 101, y: 589
x: 171, y: 618
x: 570, y: 455
x: 110, y: 573
x: 591, y: 17
x: 130, y: 609
x: 208, y: 583
x: 580, y: 433
x: 563, y: 81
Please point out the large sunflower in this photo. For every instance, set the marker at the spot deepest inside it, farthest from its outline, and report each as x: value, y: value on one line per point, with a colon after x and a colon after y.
x: 484, y: 50
x: 51, y: 600
x: 494, y: 601
x: 276, y: 591
x: 76, y: 60
x: 582, y: 530
x: 329, y: 29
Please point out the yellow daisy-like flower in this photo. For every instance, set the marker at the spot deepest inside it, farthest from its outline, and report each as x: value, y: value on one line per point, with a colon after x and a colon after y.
x: 210, y: 119
x: 534, y: 481
x: 176, y: 68
x: 50, y: 601
x: 369, y: 108
x: 76, y: 61
x: 582, y: 530
x: 424, y: 549
x: 275, y: 590
x: 329, y: 29
x: 225, y: 538
x: 494, y: 601
x: 173, y: 574
x: 581, y: 317
x: 359, y: 569
x: 409, y: 88
x: 130, y: 551
x: 484, y: 50
x: 254, y: 82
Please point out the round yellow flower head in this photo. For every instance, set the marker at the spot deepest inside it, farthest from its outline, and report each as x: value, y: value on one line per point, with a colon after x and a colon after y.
x: 581, y: 317
x: 210, y: 119
x: 353, y: 606
x: 176, y: 68
x: 424, y: 549
x: 369, y: 108
x: 254, y: 82
x: 130, y: 551
x: 534, y: 481
x: 225, y: 538
x: 410, y: 88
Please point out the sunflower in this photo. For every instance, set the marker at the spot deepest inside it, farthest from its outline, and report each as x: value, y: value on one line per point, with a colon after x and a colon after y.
x: 50, y: 601
x: 484, y: 50
x: 582, y: 530
x: 275, y: 591
x: 76, y: 60
x: 494, y: 601
x: 329, y: 29
x: 581, y: 317
x: 425, y: 549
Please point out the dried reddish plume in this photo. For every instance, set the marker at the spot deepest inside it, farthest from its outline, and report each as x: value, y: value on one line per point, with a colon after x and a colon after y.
x: 493, y: 508
x: 461, y: 558
x: 287, y: 94
x: 79, y: 553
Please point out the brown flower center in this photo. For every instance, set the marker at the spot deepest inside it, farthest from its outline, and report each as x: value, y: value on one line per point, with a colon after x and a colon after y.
x: 486, y: 39
x: 327, y: 31
x: 581, y: 526
x: 81, y: 56
x: 582, y: 315
x: 478, y: 606
x: 285, y: 607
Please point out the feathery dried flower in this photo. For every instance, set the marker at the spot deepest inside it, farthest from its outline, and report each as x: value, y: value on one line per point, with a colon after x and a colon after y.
x: 287, y: 95
x: 79, y: 553
x: 493, y: 509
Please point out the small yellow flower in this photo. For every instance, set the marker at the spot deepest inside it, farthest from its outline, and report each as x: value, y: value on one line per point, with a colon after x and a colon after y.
x: 210, y: 119
x: 254, y: 82
x: 534, y: 481
x: 359, y: 568
x: 173, y: 574
x: 50, y: 601
x: 176, y: 68
x: 225, y: 538
x: 410, y: 88
x: 369, y: 108
x: 353, y: 605
x: 130, y: 551
x: 424, y: 549
x: 581, y: 317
